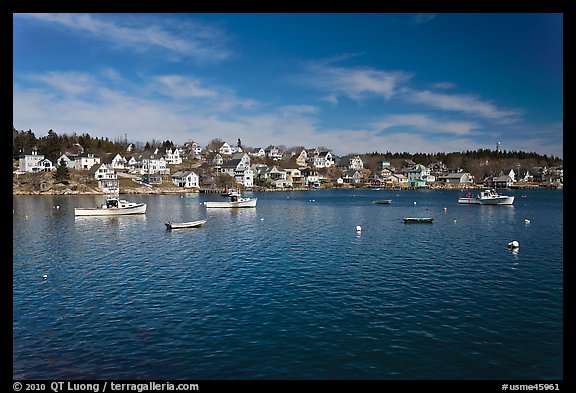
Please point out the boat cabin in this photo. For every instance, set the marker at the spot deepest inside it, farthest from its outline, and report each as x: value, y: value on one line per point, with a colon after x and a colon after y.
x: 110, y: 203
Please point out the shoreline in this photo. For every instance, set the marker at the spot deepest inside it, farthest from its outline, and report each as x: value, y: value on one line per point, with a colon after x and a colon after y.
x: 171, y: 191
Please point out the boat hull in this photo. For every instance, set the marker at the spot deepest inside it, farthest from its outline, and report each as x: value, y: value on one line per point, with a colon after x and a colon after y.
x: 229, y: 204
x: 137, y: 208
x: 469, y: 201
x: 184, y: 225
x: 409, y: 220
x: 502, y: 200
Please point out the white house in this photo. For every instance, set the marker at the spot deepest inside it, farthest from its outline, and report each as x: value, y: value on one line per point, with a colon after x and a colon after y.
x: 171, y: 156
x: 302, y: 159
x: 85, y: 161
x: 511, y: 174
x: 153, y: 164
x: 397, y: 180
x: 248, y: 178
x: 257, y: 152
x: 311, y: 177
x: 102, y: 171
x: 114, y: 161
x: 29, y: 161
x: 324, y: 159
x: 45, y: 165
x: 106, y: 177
x: 186, y: 179
x: 273, y: 152
x: 355, y: 163
x: 225, y: 149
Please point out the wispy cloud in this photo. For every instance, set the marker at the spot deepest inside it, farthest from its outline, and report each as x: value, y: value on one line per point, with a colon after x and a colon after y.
x: 289, y: 110
x: 355, y: 83
x: 422, y: 123
x: 68, y: 83
x: 464, y: 103
x: 188, y: 38
x: 177, y: 86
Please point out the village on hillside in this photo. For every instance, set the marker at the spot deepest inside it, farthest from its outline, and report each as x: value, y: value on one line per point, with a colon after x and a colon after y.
x: 192, y: 168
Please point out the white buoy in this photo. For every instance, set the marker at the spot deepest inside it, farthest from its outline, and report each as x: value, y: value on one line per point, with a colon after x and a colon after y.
x: 414, y: 202
x: 358, y: 228
x: 527, y: 221
x: 444, y: 210
x: 513, y: 244
x: 262, y: 219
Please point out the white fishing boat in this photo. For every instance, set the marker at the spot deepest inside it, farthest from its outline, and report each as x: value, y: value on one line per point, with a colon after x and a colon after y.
x: 114, y: 206
x: 235, y: 200
x: 487, y: 197
x: 184, y: 225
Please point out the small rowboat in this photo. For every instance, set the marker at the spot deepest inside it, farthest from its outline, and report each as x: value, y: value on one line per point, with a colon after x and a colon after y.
x: 383, y: 202
x: 184, y: 225
x: 417, y: 219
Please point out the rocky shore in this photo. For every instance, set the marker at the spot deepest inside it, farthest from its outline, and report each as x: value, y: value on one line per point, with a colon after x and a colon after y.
x: 44, y: 184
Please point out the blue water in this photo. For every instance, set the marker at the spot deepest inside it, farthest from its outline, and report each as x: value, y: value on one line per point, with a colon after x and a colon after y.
x: 290, y: 289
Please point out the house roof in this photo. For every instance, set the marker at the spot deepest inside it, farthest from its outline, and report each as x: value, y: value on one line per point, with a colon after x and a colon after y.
x: 95, y: 167
x: 456, y: 175
x: 183, y: 174
x: 108, y: 158
x: 238, y: 155
x: 231, y: 163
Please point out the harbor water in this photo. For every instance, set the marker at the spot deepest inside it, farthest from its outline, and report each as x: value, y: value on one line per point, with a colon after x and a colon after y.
x: 290, y: 289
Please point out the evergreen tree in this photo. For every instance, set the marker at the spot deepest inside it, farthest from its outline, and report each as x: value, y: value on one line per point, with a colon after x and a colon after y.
x: 62, y: 174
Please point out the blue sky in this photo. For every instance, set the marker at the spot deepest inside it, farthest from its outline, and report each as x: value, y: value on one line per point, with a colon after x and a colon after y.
x: 351, y: 82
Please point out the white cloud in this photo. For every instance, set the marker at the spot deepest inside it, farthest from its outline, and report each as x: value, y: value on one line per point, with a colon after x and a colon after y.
x: 288, y: 110
x: 70, y: 83
x: 177, y: 86
x: 464, y: 103
x: 356, y: 83
x: 422, y: 123
x: 201, y: 113
x: 199, y: 41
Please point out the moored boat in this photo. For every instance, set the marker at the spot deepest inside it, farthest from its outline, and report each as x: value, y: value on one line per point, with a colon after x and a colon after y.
x: 418, y: 220
x: 184, y: 225
x: 487, y: 197
x: 383, y: 201
x: 235, y: 200
x: 114, y: 206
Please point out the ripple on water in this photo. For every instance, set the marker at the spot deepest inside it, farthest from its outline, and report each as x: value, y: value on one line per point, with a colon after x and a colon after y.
x: 298, y: 295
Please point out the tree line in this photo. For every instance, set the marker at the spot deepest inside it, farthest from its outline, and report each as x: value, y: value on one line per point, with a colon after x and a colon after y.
x: 52, y: 146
